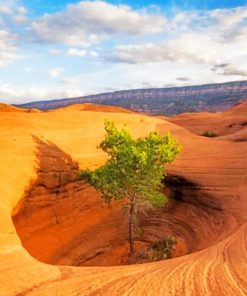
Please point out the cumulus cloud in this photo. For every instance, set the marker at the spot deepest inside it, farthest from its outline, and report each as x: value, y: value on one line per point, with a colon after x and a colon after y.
x: 19, y: 18
x: 14, y: 94
x: 146, y: 49
x: 229, y: 17
x: 131, y: 76
x: 76, y: 52
x: 93, y: 54
x: 11, y: 8
x: 9, y: 15
x: 8, y: 49
x: 89, y: 22
x: 234, y: 71
x: 18, y: 14
x: 56, y: 51
x: 211, y: 37
x: 228, y: 69
x: 6, y: 10
x: 190, y: 46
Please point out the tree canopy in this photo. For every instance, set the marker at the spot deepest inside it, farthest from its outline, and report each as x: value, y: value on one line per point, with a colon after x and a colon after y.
x: 134, y: 169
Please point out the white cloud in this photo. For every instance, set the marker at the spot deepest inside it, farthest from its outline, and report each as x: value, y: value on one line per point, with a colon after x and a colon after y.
x: 89, y: 22
x: 19, y: 18
x: 55, y: 72
x: 233, y: 71
x: 18, y: 14
x: 76, y: 52
x: 192, y: 47
x: 5, y: 9
x: 9, y: 11
x: 56, y: 51
x: 116, y: 77
x: 14, y: 95
x: 209, y: 38
x: 11, y: 8
x: 94, y: 54
x: 203, y: 50
x: 22, y: 10
x: 131, y: 76
x: 8, y: 49
x: 230, y: 17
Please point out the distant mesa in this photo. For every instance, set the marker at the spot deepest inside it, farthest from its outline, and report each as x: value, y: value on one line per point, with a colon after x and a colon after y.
x: 161, y: 101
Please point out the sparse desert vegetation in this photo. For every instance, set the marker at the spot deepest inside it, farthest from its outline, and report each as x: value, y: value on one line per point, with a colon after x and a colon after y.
x: 123, y: 148
x: 60, y: 220
x: 209, y: 134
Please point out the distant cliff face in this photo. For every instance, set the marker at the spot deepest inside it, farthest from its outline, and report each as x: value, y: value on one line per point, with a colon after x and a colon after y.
x: 162, y: 101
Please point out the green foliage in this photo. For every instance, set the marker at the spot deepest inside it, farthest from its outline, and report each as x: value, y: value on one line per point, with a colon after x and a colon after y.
x: 162, y: 249
x: 159, y: 250
x: 135, y: 168
x: 210, y: 134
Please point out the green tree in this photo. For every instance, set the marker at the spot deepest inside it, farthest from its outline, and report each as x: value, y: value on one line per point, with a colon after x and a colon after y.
x: 134, y: 171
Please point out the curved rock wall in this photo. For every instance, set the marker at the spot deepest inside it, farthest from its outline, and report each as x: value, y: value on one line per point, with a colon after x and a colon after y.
x: 209, y: 211
x: 63, y: 221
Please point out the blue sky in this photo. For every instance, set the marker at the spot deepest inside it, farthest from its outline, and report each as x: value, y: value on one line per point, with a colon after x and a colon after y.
x: 55, y: 49
x: 42, y: 6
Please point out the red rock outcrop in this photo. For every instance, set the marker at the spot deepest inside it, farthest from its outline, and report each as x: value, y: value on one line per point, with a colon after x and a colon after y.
x: 62, y: 221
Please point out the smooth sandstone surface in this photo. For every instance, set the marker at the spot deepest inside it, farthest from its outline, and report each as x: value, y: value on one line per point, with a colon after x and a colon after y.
x: 48, y: 216
x: 223, y: 123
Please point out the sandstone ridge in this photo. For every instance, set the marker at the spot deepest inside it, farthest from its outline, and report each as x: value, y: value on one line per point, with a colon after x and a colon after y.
x: 48, y: 216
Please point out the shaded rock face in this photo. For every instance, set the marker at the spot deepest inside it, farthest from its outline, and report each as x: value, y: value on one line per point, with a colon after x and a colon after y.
x: 162, y: 101
x: 61, y: 220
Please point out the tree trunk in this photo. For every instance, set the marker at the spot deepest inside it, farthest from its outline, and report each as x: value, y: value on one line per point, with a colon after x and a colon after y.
x: 131, y: 242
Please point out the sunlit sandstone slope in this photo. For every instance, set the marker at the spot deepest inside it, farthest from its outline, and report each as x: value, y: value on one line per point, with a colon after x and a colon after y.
x: 48, y: 216
x: 222, y: 123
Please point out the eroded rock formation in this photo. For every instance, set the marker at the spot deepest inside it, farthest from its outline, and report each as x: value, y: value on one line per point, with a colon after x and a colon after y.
x: 62, y: 221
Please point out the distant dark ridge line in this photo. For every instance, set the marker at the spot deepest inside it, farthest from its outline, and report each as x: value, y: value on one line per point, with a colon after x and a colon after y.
x: 161, y: 101
x: 135, y: 90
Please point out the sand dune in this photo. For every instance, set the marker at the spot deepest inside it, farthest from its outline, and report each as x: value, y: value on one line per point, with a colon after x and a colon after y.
x: 48, y: 216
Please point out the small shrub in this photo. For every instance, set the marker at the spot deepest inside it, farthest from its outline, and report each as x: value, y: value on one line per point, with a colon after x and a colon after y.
x: 159, y: 250
x: 210, y: 134
x: 162, y: 249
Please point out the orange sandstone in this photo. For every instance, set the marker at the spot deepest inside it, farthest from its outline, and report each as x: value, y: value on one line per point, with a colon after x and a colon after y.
x: 48, y: 216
